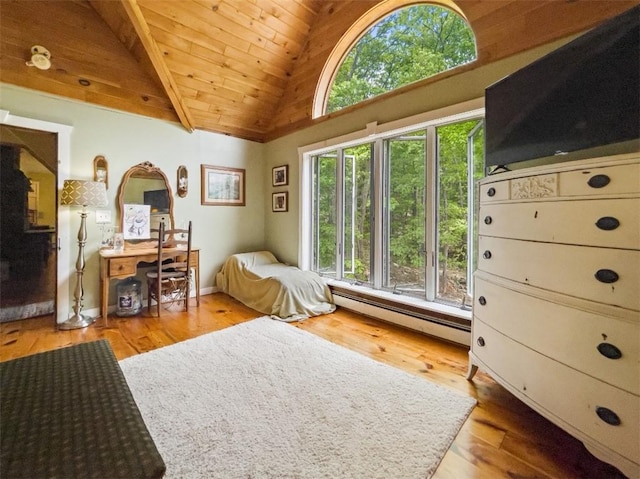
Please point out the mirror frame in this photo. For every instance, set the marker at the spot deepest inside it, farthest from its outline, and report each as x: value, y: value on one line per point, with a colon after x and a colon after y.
x: 142, y: 170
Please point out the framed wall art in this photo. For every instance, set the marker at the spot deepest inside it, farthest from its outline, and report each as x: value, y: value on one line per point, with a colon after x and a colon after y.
x: 280, y: 202
x: 280, y: 175
x: 222, y: 186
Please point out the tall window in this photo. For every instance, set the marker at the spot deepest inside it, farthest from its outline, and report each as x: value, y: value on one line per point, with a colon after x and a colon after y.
x: 396, y: 213
x: 342, y: 213
x: 407, y: 45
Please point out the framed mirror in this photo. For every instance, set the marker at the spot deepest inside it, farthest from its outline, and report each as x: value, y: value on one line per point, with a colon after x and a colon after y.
x: 144, y: 187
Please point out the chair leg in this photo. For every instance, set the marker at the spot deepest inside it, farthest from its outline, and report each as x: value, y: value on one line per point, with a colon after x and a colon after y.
x: 159, y: 296
x: 149, y: 298
x: 186, y: 295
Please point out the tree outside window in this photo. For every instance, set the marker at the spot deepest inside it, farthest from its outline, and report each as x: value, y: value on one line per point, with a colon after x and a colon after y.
x: 408, y: 45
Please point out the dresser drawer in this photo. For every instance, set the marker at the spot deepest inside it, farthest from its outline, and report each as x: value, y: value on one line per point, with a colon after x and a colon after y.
x: 609, y: 180
x: 597, y: 181
x: 583, y: 340
x: 496, y: 191
x: 122, y: 266
x: 607, y: 223
x: 562, y: 393
x: 566, y: 269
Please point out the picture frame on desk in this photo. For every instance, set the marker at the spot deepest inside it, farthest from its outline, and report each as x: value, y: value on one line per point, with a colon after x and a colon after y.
x: 137, y: 222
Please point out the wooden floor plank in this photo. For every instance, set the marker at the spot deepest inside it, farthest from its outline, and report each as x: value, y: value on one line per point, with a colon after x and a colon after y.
x: 502, y: 438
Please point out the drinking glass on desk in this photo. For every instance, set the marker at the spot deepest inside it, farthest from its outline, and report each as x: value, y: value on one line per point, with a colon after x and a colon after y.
x: 118, y: 242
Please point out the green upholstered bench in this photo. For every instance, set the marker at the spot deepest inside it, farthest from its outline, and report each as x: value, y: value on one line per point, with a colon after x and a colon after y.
x: 68, y: 413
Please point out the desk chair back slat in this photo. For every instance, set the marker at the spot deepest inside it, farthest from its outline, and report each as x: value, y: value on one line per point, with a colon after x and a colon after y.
x: 170, y: 281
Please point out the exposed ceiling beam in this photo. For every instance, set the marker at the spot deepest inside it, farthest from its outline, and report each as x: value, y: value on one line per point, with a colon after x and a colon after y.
x: 142, y: 29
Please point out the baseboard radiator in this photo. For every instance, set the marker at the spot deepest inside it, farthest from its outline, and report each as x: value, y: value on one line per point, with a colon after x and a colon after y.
x: 416, y: 318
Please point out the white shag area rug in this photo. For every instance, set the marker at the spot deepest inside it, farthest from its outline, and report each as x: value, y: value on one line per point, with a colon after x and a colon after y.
x: 264, y: 399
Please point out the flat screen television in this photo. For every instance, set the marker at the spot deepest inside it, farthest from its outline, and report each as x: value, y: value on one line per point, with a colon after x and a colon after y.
x: 585, y: 94
x: 158, y: 200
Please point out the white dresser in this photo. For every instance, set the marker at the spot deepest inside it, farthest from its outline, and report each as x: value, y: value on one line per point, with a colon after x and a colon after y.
x: 556, y: 315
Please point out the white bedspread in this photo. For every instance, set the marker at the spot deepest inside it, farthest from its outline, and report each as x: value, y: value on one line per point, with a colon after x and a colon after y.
x: 259, y: 281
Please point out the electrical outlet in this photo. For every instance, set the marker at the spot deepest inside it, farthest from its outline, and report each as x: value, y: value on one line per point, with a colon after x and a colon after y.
x: 103, y: 217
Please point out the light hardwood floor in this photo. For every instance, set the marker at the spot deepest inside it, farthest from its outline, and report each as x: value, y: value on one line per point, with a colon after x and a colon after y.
x: 502, y: 438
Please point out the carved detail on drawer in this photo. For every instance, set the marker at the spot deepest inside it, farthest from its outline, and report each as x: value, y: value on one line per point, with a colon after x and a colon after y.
x: 532, y: 187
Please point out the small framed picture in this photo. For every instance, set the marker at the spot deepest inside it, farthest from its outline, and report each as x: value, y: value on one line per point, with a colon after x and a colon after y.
x: 280, y: 202
x: 280, y: 175
x: 222, y: 186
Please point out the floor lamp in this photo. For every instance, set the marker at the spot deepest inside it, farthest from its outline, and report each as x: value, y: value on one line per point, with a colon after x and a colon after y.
x: 81, y: 193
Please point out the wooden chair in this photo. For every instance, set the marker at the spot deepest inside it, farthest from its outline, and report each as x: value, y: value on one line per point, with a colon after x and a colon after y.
x: 170, y: 281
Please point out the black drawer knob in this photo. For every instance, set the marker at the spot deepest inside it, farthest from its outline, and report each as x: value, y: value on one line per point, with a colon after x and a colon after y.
x: 607, y: 276
x: 607, y: 223
x: 599, y: 181
x: 486, y: 254
x: 608, y: 416
x: 491, y: 191
x: 480, y: 341
x: 482, y: 300
x: 488, y: 220
x: 610, y: 351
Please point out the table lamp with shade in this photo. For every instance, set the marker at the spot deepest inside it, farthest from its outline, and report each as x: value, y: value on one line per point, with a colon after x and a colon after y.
x: 82, y: 193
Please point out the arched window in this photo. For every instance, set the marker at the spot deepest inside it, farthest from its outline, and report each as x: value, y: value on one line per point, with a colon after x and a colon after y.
x: 404, y: 46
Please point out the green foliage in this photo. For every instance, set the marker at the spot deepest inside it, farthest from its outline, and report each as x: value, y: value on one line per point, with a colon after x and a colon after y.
x: 406, y: 199
x: 406, y: 46
x: 325, y: 212
x: 453, y: 195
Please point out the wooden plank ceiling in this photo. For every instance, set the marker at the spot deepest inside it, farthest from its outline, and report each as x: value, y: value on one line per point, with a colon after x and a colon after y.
x: 246, y: 68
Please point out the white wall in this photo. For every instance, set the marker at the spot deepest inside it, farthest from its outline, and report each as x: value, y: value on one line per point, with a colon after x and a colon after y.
x: 125, y: 140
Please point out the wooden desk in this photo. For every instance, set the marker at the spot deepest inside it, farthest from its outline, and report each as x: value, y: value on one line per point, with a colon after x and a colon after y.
x: 124, y: 265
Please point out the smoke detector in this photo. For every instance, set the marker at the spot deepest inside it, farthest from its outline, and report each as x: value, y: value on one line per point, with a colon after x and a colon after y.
x: 40, y: 58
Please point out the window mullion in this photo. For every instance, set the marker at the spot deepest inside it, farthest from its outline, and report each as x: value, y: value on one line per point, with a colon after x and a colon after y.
x: 431, y: 199
x: 340, y: 191
x: 378, y: 211
x: 471, y: 205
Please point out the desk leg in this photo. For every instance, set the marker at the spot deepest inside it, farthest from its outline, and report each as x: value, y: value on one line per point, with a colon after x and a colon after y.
x: 104, y: 286
x: 198, y: 284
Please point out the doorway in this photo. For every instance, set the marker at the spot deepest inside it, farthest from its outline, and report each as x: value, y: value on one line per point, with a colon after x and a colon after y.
x: 28, y: 216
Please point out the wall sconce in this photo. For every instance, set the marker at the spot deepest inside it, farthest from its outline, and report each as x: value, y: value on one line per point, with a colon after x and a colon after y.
x: 183, y: 181
x: 101, y: 170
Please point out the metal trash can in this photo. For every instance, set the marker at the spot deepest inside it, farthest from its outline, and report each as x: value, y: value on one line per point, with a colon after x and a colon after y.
x: 129, y: 294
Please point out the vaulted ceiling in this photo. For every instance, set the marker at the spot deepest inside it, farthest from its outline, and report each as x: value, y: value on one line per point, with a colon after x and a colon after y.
x: 246, y: 68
